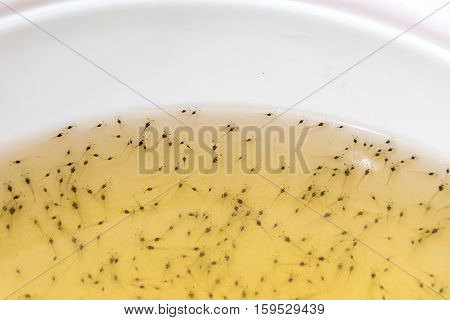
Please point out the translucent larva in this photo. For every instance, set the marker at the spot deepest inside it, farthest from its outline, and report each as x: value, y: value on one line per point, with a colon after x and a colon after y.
x: 80, y: 210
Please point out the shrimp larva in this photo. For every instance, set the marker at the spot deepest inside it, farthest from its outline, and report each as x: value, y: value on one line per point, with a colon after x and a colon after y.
x: 134, y: 207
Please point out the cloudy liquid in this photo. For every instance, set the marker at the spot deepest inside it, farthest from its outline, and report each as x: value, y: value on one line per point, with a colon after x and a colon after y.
x: 83, y: 218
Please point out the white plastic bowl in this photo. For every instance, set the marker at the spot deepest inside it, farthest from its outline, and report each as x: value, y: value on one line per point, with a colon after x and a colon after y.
x: 209, y: 53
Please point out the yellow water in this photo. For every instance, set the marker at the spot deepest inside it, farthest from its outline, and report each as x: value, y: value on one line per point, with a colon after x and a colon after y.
x: 81, y: 219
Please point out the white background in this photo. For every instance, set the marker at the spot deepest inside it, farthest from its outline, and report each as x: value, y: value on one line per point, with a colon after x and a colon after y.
x: 241, y: 52
x: 111, y: 310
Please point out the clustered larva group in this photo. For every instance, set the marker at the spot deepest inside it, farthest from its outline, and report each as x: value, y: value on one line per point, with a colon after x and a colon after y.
x: 369, y: 220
